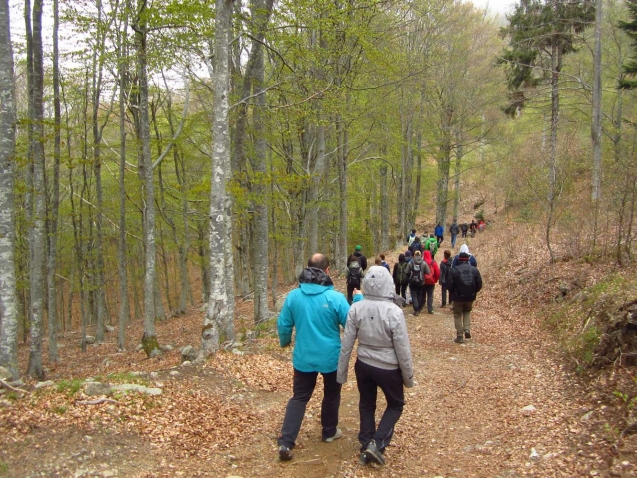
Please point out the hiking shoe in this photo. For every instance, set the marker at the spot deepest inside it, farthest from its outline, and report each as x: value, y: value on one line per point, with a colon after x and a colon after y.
x: 459, y: 339
x: 363, y: 459
x: 430, y: 311
x: 374, y: 454
x: 467, y: 334
x: 284, y: 453
x: 336, y: 436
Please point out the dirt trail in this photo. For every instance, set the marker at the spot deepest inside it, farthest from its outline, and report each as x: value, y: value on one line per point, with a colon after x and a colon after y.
x: 500, y: 405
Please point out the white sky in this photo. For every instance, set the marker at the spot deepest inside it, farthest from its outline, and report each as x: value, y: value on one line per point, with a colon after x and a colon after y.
x: 496, y: 6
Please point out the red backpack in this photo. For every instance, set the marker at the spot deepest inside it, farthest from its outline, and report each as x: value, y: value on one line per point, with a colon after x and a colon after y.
x: 429, y: 278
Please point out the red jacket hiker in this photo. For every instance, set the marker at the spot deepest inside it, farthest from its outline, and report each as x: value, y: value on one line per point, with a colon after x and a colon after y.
x: 433, y: 265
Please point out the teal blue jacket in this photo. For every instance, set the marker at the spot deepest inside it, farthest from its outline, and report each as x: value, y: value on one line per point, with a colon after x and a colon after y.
x: 318, y: 313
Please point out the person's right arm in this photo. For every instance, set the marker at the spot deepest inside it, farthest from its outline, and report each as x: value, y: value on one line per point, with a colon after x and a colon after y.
x: 285, y: 323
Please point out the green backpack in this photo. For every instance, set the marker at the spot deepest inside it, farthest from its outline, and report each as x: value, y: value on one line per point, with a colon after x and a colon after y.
x: 401, y: 273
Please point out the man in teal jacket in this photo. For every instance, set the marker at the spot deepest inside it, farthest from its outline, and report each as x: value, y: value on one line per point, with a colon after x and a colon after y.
x: 318, y: 312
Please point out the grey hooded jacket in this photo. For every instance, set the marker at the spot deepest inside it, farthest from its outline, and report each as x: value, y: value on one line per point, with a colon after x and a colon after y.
x: 379, y: 325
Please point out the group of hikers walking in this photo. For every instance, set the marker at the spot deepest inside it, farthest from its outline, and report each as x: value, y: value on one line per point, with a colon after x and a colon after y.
x: 374, y: 317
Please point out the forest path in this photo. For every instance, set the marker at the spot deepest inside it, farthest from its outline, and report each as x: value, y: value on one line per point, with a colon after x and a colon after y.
x: 466, y: 416
x: 479, y: 409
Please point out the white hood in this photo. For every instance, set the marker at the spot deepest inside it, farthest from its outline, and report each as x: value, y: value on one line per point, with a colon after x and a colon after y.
x: 378, y: 283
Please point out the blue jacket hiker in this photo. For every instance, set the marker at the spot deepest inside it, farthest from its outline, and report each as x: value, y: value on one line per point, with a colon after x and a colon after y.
x: 317, y: 312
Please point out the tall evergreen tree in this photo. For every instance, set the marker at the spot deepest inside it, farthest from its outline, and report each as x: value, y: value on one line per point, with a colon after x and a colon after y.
x: 540, y: 34
x: 630, y: 68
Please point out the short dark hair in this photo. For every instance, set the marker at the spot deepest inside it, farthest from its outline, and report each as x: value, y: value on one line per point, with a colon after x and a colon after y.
x: 382, y: 256
x: 414, y: 231
x: 378, y: 261
x: 447, y: 253
x: 319, y: 261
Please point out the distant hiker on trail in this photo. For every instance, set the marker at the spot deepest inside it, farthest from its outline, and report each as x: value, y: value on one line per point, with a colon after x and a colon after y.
x: 445, y: 276
x: 400, y: 276
x: 473, y: 227
x: 466, y: 282
x: 408, y: 256
x: 416, y: 245
x: 431, y: 245
x: 384, y: 263
x: 361, y: 258
x: 383, y: 361
x: 416, y: 271
x: 439, y: 231
x: 454, y: 230
x: 429, y: 281
x: 481, y: 225
x: 464, y: 228
x: 316, y: 311
x: 411, y: 237
x: 472, y: 260
x: 353, y: 276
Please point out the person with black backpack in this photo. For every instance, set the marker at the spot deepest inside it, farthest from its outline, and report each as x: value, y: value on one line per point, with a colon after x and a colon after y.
x: 465, y: 283
x: 353, y: 276
x: 416, y: 245
x: 400, y: 276
x: 416, y: 271
x: 445, y: 276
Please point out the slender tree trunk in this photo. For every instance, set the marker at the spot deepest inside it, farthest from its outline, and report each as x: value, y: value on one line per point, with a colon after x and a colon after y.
x: 124, y: 309
x: 342, y: 147
x: 8, y: 297
x: 149, y: 340
x: 38, y: 244
x: 384, y: 210
x: 459, y: 156
x: 259, y: 167
x: 55, y: 197
x: 98, y: 252
x: 217, y: 318
x: 556, y: 64
x: 596, y: 124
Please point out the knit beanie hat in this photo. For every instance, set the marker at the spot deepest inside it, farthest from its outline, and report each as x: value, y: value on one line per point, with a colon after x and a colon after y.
x: 463, y: 256
x: 408, y: 255
x: 358, y: 248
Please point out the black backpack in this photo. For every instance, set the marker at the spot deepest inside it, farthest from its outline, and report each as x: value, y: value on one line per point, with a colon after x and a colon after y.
x: 354, y: 274
x: 416, y: 274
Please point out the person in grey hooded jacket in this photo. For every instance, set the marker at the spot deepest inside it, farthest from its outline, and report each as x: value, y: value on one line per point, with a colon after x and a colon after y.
x: 383, y: 360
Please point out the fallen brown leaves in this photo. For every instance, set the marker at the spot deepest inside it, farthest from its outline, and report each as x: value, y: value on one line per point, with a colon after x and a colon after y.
x: 466, y: 417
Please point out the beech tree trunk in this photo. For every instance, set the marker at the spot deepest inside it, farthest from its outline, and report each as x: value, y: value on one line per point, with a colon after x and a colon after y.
x: 261, y: 12
x: 122, y: 62
x: 8, y: 298
x: 217, y: 322
x: 52, y: 311
x: 38, y: 242
x: 149, y: 339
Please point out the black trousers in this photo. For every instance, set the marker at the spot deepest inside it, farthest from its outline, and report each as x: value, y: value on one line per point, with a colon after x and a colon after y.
x: 401, y: 289
x: 391, y: 383
x: 428, y: 290
x: 303, y: 387
x: 417, y: 296
x: 350, y: 292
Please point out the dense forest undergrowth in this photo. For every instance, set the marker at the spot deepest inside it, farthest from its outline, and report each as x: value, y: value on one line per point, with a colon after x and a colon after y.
x: 545, y: 388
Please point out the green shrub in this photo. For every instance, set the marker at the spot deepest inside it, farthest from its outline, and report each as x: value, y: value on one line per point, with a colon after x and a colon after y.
x: 70, y: 387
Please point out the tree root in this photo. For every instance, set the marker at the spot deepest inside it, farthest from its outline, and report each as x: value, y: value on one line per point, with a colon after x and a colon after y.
x: 13, y: 389
x: 95, y: 402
